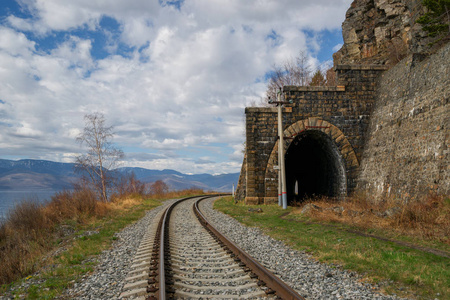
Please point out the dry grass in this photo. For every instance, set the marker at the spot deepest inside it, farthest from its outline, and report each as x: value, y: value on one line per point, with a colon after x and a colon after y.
x: 399, y: 267
x: 178, y: 194
x: 126, y: 202
x: 31, y: 229
x: 22, y: 237
x: 79, y: 205
x: 428, y: 219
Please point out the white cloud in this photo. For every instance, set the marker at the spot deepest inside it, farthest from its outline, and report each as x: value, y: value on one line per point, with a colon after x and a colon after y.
x: 337, y: 47
x: 15, y: 43
x: 183, y: 85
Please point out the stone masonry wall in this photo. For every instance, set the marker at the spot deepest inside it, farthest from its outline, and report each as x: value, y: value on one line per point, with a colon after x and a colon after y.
x: 242, y: 182
x: 261, y: 135
x: 406, y: 155
x: 345, y: 108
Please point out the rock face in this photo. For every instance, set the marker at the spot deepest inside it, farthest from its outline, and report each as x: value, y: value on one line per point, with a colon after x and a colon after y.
x: 381, y: 32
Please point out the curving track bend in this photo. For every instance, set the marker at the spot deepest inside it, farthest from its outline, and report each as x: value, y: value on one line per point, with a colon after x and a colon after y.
x: 186, y: 260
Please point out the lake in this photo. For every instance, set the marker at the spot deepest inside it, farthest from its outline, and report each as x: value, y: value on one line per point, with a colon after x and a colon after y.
x: 8, y: 198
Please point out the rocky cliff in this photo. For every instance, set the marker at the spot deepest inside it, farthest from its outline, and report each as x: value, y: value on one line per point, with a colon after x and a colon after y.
x: 406, y: 155
x: 381, y: 32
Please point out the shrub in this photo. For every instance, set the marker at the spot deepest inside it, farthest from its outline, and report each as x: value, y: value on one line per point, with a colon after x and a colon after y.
x: 27, y: 217
x: 159, y: 188
x: 23, y: 236
x: 128, y: 185
x: 30, y: 228
x: 78, y: 205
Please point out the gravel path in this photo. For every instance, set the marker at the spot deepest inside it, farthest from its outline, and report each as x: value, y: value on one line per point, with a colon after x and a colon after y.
x: 311, y: 279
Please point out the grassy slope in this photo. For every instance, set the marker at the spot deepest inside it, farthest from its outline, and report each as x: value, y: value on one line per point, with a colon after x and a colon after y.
x: 423, y: 274
x: 66, y: 268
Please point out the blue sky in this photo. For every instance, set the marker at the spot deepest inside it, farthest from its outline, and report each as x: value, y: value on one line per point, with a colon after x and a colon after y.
x: 172, y: 77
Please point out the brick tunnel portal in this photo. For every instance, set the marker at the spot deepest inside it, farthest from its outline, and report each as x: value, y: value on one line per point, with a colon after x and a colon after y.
x: 314, y: 167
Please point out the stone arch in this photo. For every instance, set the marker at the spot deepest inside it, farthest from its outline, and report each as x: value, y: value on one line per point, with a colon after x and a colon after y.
x: 321, y: 127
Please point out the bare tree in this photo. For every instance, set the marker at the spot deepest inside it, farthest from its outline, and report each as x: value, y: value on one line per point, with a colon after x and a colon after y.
x: 159, y: 188
x: 397, y: 50
x: 293, y: 72
x: 302, y: 69
x: 128, y: 184
x: 101, y: 156
x: 331, y: 77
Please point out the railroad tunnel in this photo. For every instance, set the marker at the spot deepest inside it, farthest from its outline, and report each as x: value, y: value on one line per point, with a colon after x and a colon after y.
x: 314, y: 167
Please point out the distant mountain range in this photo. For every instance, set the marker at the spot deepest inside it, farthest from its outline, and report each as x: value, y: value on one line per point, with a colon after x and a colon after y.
x: 27, y: 174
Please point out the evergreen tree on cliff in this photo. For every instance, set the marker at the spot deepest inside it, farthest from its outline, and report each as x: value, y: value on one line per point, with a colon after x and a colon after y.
x: 437, y: 18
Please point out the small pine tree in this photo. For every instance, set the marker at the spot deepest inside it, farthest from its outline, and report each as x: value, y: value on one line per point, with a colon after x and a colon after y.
x: 318, y: 79
x: 437, y: 18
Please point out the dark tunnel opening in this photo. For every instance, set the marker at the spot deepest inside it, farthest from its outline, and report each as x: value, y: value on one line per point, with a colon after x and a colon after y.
x: 314, y: 167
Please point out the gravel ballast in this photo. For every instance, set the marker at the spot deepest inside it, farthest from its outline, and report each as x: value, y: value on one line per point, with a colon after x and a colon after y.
x: 108, y: 279
x: 311, y: 279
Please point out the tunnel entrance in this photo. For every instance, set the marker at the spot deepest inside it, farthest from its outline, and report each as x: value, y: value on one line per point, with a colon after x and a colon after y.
x: 314, y: 167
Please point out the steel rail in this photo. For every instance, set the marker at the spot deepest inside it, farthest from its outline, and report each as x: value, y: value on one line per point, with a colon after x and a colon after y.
x: 159, y: 289
x: 162, y: 260
x: 281, y: 289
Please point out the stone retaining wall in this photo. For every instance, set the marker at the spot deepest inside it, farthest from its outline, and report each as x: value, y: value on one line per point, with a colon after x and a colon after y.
x: 406, y: 155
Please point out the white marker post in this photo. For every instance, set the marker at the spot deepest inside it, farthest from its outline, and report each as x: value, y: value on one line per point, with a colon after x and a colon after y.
x: 280, y: 201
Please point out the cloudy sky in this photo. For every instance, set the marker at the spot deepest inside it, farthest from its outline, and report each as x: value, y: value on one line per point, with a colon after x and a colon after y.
x: 172, y: 77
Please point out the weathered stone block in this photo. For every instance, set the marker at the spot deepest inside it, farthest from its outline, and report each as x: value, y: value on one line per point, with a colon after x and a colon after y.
x: 253, y: 200
x: 270, y: 200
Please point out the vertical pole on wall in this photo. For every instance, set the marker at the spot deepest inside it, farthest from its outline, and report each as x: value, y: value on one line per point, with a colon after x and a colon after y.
x: 281, y: 152
x: 282, y: 196
x: 232, y: 191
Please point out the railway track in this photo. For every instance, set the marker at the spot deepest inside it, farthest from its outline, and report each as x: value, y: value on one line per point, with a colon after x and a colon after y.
x: 184, y: 257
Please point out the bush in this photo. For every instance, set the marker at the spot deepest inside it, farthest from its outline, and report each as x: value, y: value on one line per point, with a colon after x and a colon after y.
x: 28, y: 230
x: 23, y: 236
x: 27, y: 217
x: 159, y: 188
x: 128, y: 185
x: 79, y: 204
